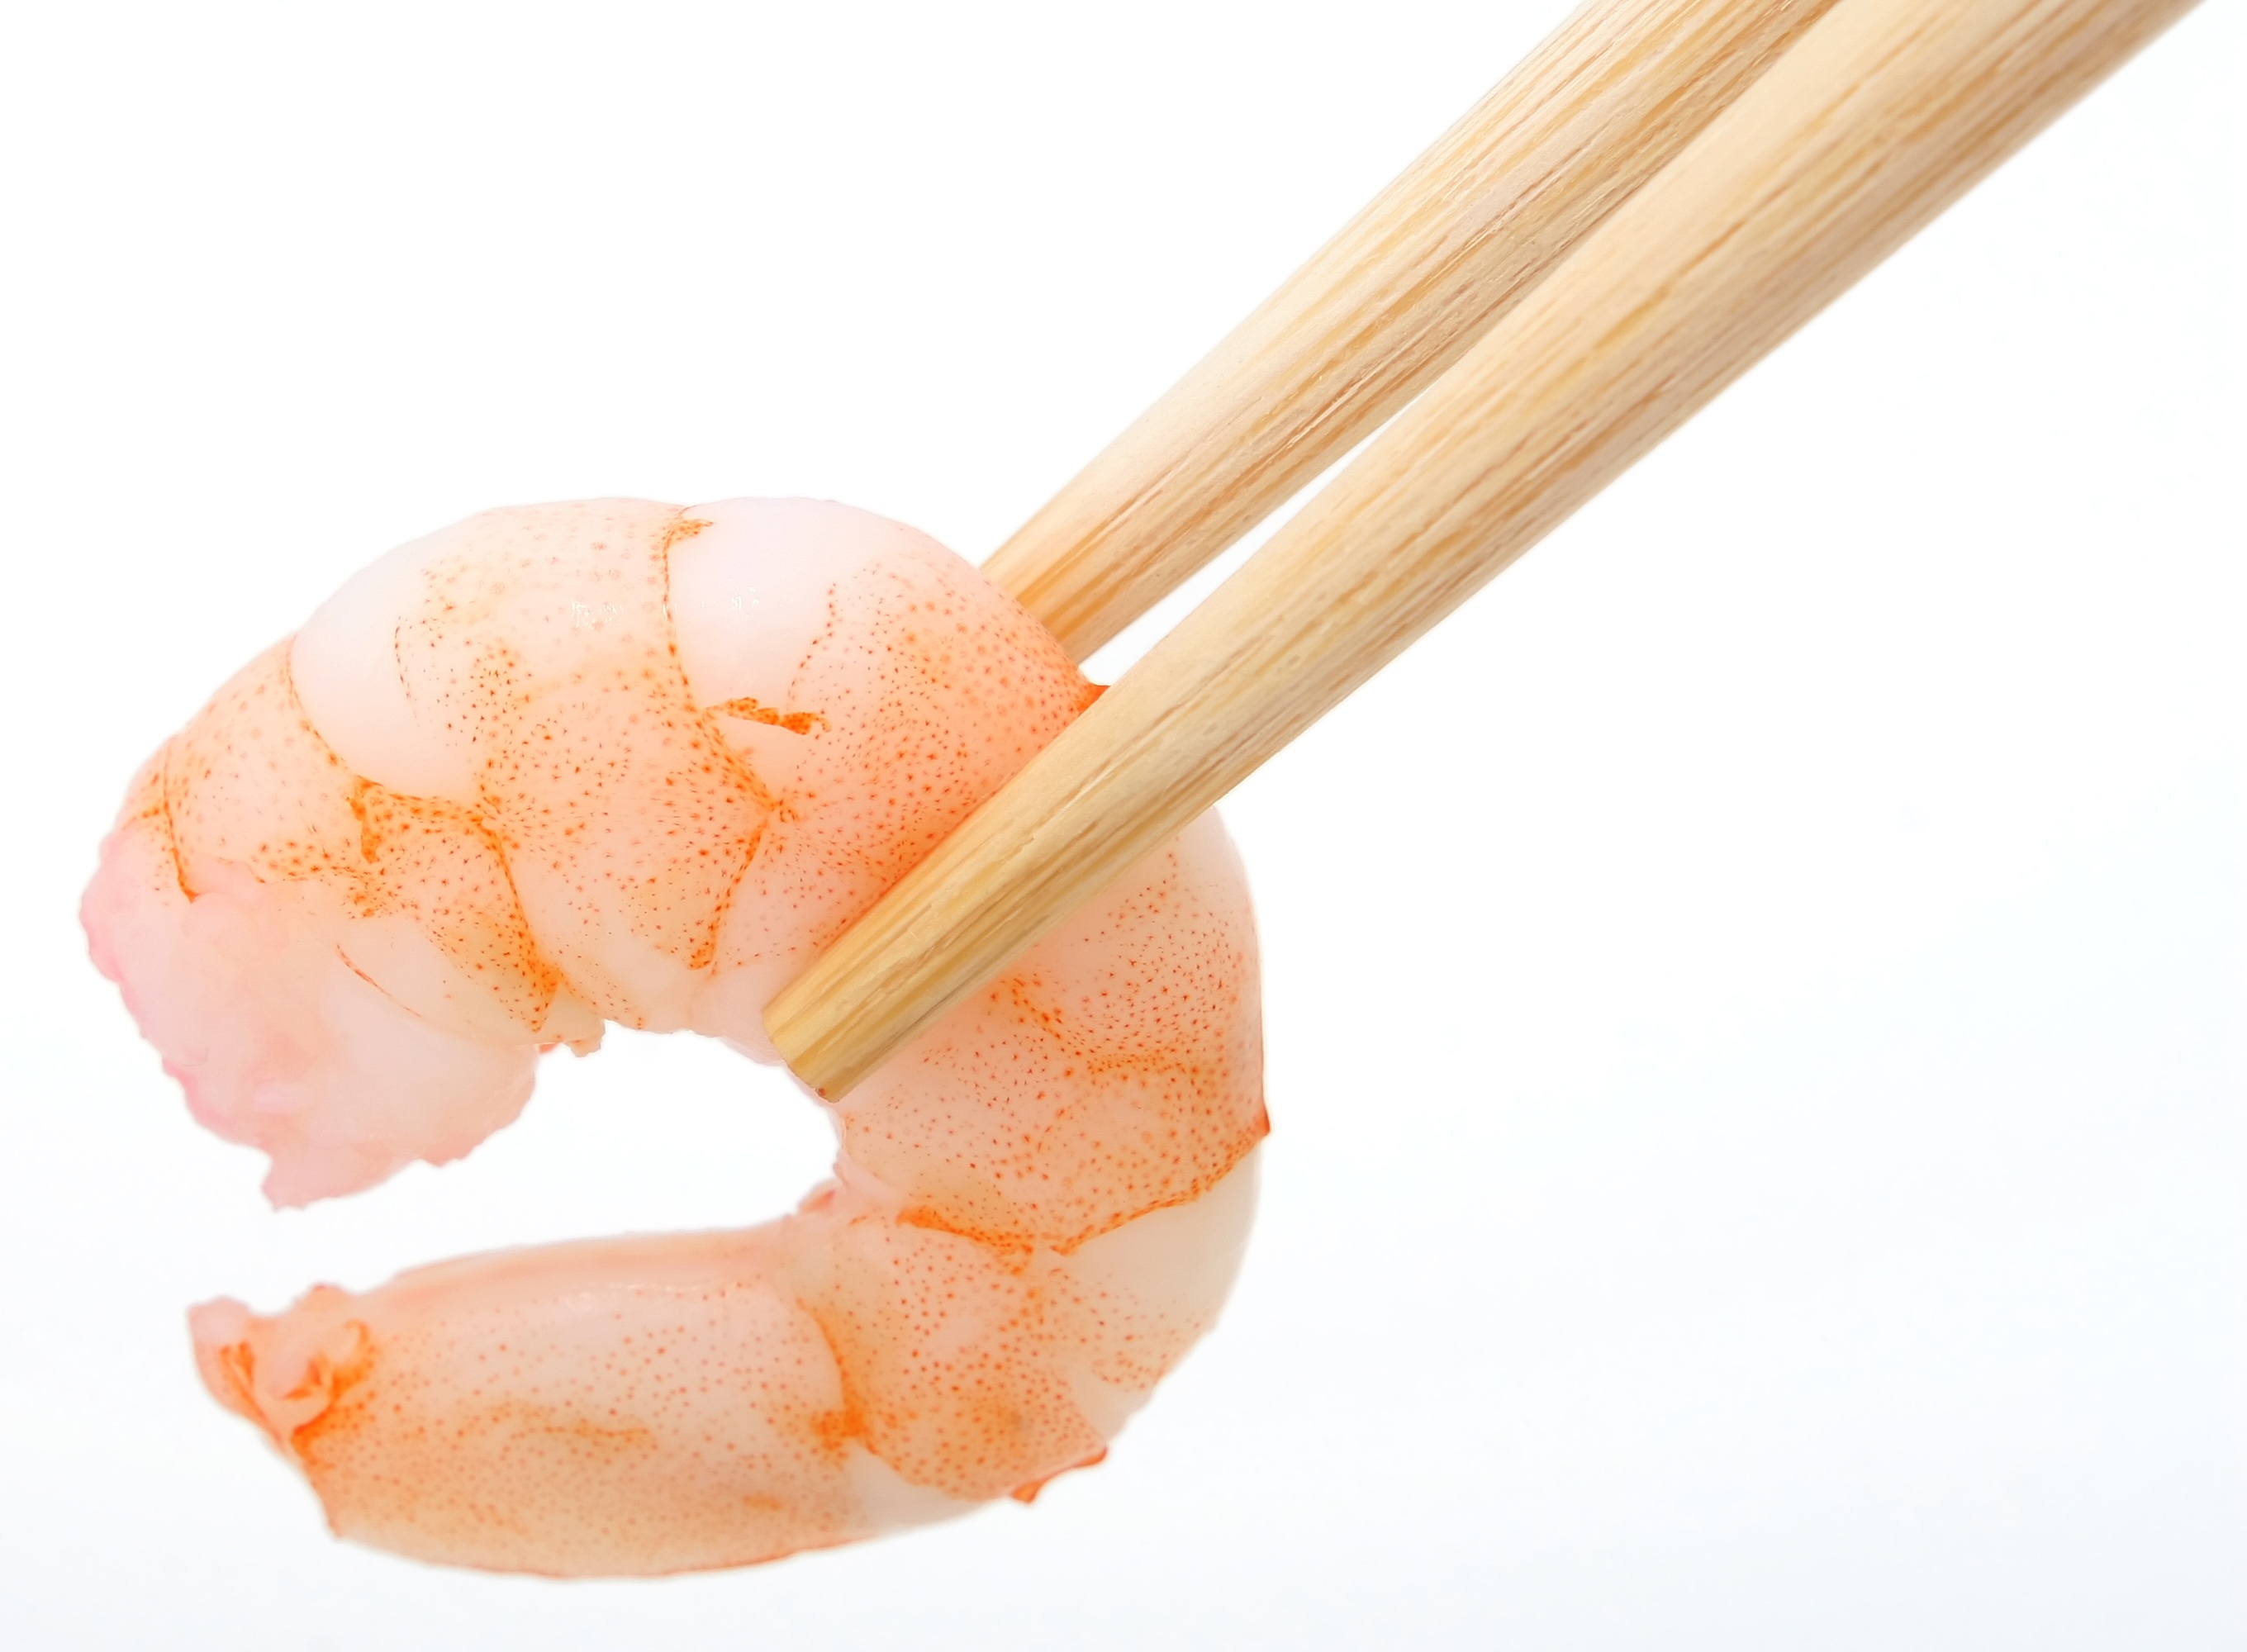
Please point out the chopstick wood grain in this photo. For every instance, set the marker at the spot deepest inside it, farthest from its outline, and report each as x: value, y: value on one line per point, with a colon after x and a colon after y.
x: 1880, y: 115
x: 1401, y: 293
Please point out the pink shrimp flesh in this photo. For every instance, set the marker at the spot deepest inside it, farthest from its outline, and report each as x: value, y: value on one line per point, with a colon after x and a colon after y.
x: 567, y: 764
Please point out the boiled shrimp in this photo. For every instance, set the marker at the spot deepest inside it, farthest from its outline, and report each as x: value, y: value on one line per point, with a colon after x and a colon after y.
x: 561, y: 766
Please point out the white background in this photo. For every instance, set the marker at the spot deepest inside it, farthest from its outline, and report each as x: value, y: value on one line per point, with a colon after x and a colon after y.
x: 1755, y: 1000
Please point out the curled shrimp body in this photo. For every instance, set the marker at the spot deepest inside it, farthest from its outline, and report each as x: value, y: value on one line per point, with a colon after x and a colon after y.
x: 565, y: 765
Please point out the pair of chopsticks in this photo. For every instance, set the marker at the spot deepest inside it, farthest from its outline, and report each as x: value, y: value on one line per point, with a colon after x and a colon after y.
x: 1658, y: 196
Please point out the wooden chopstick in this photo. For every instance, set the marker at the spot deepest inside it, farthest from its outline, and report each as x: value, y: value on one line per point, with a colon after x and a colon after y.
x: 1389, y: 303
x: 1881, y: 114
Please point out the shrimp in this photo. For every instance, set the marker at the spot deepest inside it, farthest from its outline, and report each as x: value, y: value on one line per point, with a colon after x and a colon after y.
x: 560, y: 766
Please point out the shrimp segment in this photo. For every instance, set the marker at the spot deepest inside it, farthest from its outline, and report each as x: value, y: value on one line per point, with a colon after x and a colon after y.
x: 618, y: 760
x: 652, y: 1405
x: 251, y: 911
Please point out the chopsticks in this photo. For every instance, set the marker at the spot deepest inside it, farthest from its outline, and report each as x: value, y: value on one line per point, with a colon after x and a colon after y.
x: 1383, y: 308
x: 1878, y: 116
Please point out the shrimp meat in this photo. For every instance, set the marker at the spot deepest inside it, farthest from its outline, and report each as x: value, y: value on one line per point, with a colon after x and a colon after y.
x: 565, y: 765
